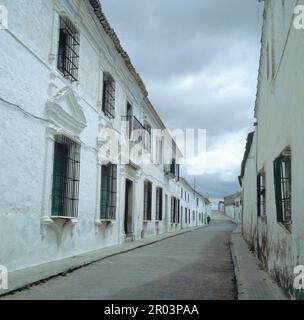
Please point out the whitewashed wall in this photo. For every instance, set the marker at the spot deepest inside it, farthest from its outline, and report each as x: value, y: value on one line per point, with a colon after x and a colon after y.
x: 199, y: 210
x: 29, y: 83
x: 280, y: 115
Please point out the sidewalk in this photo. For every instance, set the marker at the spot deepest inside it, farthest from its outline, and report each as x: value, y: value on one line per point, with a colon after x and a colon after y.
x: 252, y: 282
x: 25, y: 278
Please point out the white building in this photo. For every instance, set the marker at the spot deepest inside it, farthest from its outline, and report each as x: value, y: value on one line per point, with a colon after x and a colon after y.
x: 232, y: 207
x: 272, y: 170
x: 221, y: 207
x: 194, y: 206
x: 64, y: 78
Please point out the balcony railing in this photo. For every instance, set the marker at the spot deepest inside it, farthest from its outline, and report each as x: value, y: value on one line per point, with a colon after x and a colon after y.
x: 133, y: 124
x: 137, y: 134
x: 171, y: 169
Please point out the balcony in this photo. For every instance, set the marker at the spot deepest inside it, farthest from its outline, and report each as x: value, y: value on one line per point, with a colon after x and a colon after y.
x: 171, y: 170
x: 134, y: 124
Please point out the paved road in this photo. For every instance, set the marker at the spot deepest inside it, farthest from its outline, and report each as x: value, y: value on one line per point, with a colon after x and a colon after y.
x: 195, y: 265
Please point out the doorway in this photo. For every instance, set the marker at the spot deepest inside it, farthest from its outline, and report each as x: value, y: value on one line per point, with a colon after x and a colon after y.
x: 129, y: 208
x: 166, y: 214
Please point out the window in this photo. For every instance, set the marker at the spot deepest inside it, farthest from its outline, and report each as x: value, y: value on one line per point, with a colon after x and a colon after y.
x: 159, y: 150
x: 186, y: 215
x: 197, y: 202
x: 66, y: 170
x: 147, y: 200
x: 108, y: 97
x: 261, y: 194
x: 177, y: 172
x: 159, y: 204
x: 182, y: 193
x: 68, y: 51
x: 175, y: 210
x: 148, y: 137
x: 193, y: 215
x: 108, y: 191
x: 282, y: 181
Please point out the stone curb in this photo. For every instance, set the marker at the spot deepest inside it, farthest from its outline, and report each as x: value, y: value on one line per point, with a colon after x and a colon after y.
x: 274, y: 292
x: 235, y: 265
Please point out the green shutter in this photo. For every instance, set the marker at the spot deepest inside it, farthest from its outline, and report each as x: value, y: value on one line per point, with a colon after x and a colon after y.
x: 104, y: 196
x: 59, y: 179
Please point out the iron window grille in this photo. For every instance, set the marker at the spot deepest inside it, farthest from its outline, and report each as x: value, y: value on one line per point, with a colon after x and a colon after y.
x: 68, y: 51
x: 147, y: 200
x: 66, y: 173
x: 108, y: 97
x: 172, y: 169
x: 108, y: 192
x: 159, y: 204
x: 261, y: 195
x: 282, y: 181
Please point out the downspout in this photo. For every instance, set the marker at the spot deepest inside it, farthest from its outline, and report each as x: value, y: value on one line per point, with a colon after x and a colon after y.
x: 256, y: 172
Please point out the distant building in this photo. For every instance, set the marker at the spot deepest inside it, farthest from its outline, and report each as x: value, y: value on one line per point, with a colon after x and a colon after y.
x: 232, y: 207
x: 194, y: 206
x: 221, y: 207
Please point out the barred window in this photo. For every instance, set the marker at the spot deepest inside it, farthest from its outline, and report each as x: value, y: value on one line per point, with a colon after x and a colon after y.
x: 186, y: 215
x: 261, y: 194
x: 108, y: 103
x: 108, y: 191
x: 147, y: 200
x: 282, y: 181
x: 68, y: 51
x: 159, y: 204
x: 66, y: 172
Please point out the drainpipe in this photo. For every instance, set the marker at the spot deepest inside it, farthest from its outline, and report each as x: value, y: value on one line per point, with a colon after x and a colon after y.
x: 256, y: 172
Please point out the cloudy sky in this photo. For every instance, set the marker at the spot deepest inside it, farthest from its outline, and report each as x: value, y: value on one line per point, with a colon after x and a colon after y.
x: 199, y: 61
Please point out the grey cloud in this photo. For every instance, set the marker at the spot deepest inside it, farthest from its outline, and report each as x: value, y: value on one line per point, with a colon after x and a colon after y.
x: 169, y: 40
x: 211, y: 186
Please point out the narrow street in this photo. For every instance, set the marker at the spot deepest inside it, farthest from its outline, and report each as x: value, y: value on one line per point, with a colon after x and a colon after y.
x: 194, y: 265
